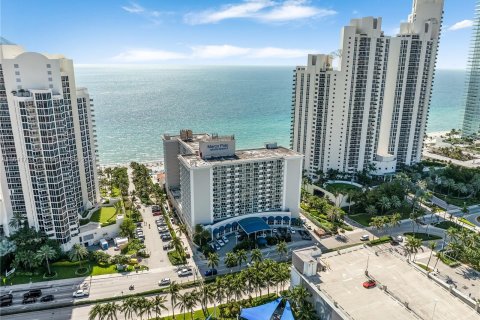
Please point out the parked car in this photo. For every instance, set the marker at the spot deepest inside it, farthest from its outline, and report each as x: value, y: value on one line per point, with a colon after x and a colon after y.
x: 29, y: 300
x: 33, y: 293
x: 6, y: 302
x: 220, y: 242
x: 292, y: 231
x: 164, y: 282
x: 168, y: 246
x: 166, y: 237
x: 274, y: 230
x: 80, y: 293
x: 47, y: 298
x: 185, y: 272
x: 211, y: 272
x: 224, y: 239
x: 217, y: 246
x: 365, y: 237
x: 6, y: 296
x: 309, y: 227
x: 369, y: 284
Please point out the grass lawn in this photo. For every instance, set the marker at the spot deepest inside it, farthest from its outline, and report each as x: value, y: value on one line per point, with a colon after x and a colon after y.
x: 104, y: 214
x: 422, y: 236
x: 64, y: 270
x: 362, y: 218
x: 463, y: 220
x: 342, y: 188
x: 447, y: 225
x: 457, y: 201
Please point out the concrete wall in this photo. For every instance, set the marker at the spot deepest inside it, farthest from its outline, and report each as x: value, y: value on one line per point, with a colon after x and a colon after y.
x: 93, y: 232
x: 292, y: 185
x: 171, y: 162
x: 201, y: 196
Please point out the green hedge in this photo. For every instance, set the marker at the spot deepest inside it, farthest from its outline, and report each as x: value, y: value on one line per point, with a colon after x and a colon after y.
x: 176, y: 258
x: 378, y: 241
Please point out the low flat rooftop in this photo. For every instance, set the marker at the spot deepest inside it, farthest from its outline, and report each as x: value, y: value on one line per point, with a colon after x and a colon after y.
x: 193, y: 143
x: 346, y: 273
x: 248, y: 154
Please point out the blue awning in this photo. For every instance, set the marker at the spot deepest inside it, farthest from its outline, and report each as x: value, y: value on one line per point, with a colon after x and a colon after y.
x: 287, y: 312
x: 253, y: 224
x: 263, y: 312
x: 261, y: 241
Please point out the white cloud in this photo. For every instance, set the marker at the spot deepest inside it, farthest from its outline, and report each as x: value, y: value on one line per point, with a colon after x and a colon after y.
x: 207, y: 52
x: 263, y: 10
x: 461, y: 25
x: 218, y: 51
x: 134, y: 8
x: 294, y: 10
x: 144, y: 55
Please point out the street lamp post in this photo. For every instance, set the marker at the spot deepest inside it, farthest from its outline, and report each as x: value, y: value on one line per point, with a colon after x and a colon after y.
x: 368, y: 259
x: 434, y: 306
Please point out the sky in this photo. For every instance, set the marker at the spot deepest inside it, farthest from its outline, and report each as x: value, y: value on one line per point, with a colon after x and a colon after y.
x: 211, y: 32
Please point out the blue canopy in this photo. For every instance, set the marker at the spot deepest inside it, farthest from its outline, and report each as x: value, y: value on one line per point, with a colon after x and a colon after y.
x: 253, y: 224
x: 262, y: 241
x: 287, y: 312
x: 263, y: 312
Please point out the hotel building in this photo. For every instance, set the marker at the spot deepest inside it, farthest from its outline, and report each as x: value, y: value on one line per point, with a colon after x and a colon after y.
x: 471, y: 120
x: 212, y: 184
x: 373, y: 108
x: 48, y: 174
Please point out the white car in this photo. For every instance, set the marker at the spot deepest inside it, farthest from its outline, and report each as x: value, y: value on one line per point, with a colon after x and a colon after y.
x: 220, y: 242
x: 274, y: 230
x: 365, y: 237
x: 399, y: 238
x: 164, y: 282
x: 80, y: 293
x: 292, y: 231
x: 225, y: 239
x: 185, y: 273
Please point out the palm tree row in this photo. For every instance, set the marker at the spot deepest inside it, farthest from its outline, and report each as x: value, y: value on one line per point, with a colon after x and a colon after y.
x: 385, y: 222
x: 260, y: 277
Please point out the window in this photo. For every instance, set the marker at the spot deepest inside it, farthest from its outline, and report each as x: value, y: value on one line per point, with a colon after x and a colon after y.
x: 18, y: 80
x: 15, y: 65
x: 48, y: 65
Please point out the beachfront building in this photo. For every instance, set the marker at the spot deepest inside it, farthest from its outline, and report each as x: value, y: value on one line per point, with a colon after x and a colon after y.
x: 210, y: 183
x: 471, y: 120
x: 372, y: 109
x: 48, y: 174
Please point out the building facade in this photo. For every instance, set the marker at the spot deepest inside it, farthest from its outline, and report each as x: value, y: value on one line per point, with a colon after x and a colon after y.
x: 48, y: 173
x: 212, y: 184
x: 471, y: 120
x: 372, y: 110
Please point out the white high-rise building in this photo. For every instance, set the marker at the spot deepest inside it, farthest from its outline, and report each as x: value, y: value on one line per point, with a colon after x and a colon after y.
x: 48, y: 174
x: 210, y: 183
x: 373, y: 108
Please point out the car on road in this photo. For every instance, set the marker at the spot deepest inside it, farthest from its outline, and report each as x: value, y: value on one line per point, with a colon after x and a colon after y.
x: 365, y: 237
x: 29, y: 300
x: 6, y: 300
x: 369, y: 284
x: 211, y: 272
x: 80, y: 293
x: 225, y: 239
x: 185, y: 272
x: 33, y: 293
x: 164, y: 282
x: 220, y: 242
x: 47, y: 298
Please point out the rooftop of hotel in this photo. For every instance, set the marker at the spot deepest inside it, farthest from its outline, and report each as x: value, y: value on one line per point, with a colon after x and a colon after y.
x: 193, y: 139
x: 345, y: 273
x: 194, y: 160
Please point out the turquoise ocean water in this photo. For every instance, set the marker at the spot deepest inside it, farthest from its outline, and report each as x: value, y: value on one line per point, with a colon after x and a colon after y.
x: 134, y: 106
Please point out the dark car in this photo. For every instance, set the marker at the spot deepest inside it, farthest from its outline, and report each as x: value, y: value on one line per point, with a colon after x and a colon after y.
x: 6, y: 302
x: 7, y: 296
x: 47, y: 298
x: 35, y: 293
x: 29, y: 300
x: 166, y: 237
x: 211, y: 272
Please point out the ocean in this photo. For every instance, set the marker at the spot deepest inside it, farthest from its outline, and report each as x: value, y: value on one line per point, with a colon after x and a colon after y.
x: 135, y: 105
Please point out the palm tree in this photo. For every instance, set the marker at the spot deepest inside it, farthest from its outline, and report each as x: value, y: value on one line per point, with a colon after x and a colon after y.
x: 143, y: 306
x: 371, y: 210
x: 96, y: 311
x: 307, y: 312
x: 174, y: 291
x: 395, y: 220
x: 395, y: 202
x: 412, y: 245
x: 192, y: 302
x: 282, y: 248
x: 431, y: 246
x: 378, y: 223
x: 182, y: 229
x: 230, y: 260
x: 241, y: 257
x: 16, y: 221
x: 256, y: 255
x: 213, y: 260
x: 46, y: 253
x: 299, y: 296
x: 177, y: 243
x: 384, y: 203
x: 334, y: 214
x: 110, y: 311
x: 158, y: 304
x: 220, y: 289
x: 78, y: 253
x: 129, y: 306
